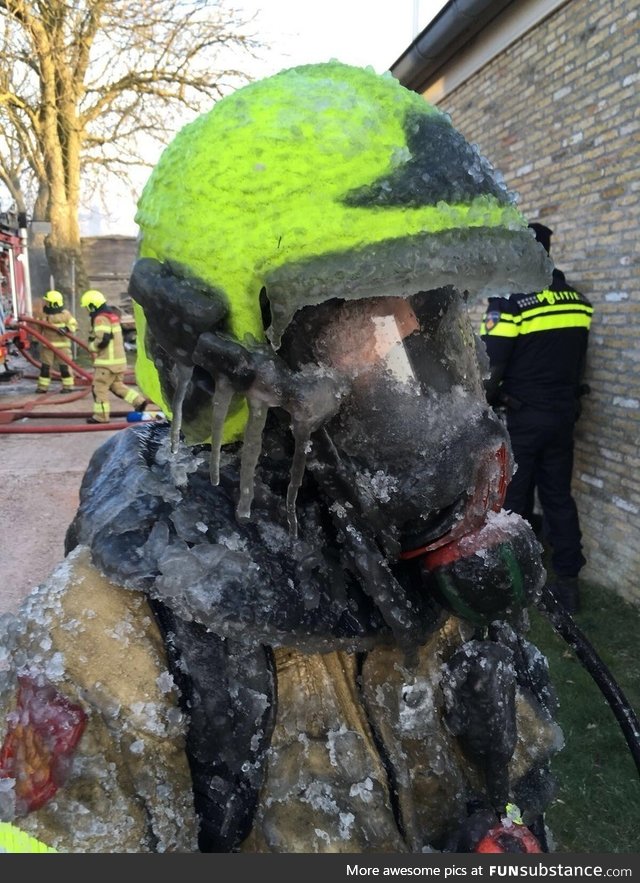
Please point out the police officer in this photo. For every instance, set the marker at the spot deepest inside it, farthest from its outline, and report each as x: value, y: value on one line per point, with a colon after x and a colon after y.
x: 537, y: 345
x: 106, y: 341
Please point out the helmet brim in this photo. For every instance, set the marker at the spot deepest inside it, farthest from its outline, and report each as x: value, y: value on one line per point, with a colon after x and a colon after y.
x: 481, y: 261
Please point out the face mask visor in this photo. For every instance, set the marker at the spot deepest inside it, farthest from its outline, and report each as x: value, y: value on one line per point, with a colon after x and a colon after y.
x: 418, y: 344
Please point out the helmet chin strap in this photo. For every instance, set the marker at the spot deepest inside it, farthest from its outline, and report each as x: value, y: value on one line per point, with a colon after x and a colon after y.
x: 367, y: 543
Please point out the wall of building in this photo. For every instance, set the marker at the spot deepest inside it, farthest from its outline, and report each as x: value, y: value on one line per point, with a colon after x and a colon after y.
x: 558, y: 114
x: 108, y: 261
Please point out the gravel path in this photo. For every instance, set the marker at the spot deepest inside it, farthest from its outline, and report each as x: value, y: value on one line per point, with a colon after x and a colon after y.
x: 40, y: 476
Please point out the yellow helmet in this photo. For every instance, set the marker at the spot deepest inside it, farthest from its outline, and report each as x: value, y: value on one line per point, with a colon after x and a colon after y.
x: 92, y: 299
x: 53, y: 298
x: 355, y: 187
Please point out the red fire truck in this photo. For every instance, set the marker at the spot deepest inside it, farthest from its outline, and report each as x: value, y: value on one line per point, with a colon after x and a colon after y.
x: 15, y: 287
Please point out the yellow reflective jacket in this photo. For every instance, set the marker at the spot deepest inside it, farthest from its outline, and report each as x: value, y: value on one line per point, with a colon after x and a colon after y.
x: 59, y: 320
x: 106, y: 339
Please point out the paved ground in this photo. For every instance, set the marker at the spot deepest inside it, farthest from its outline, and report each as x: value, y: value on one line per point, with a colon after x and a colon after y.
x: 40, y: 475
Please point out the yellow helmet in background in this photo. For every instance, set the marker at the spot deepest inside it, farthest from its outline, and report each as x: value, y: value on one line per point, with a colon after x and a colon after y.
x: 53, y: 298
x: 92, y: 299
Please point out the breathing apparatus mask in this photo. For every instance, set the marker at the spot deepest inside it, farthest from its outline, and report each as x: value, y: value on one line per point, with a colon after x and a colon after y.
x: 412, y: 426
x: 429, y: 461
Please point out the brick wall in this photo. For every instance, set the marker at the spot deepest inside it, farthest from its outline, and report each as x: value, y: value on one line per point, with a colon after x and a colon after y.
x: 558, y: 114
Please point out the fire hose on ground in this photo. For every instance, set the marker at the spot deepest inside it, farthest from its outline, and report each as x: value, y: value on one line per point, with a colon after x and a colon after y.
x: 10, y: 413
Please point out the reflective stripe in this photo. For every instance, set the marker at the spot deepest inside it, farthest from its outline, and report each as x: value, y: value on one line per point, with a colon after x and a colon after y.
x: 111, y: 327
x: 556, y: 308
x: 112, y: 355
x: 110, y: 363
x: 542, y: 318
x: 12, y: 839
x: 131, y: 397
x: 506, y: 327
x: 551, y: 323
x: 102, y: 411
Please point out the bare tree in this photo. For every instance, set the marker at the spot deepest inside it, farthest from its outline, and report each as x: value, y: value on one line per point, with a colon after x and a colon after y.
x: 83, y: 83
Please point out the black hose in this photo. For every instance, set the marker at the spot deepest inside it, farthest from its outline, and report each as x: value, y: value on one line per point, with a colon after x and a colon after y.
x: 564, y: 625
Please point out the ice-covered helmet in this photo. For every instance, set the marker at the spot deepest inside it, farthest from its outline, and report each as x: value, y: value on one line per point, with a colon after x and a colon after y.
x: 322, y: 181
x: 53, y: 298
x: 92, y: 300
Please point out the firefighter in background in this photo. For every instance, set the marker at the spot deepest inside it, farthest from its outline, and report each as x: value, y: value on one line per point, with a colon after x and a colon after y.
x: 59, y: 320
x: 537, y: 346
x: 106, y: 341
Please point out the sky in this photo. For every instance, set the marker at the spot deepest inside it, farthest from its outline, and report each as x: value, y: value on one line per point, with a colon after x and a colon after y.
x: 360, y: 32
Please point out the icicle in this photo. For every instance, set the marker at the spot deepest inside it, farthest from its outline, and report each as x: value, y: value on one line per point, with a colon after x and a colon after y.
x: 379, y: 582
x: 298, y: 465
x: 220, y: 407
x: 251, y: 448
x: 183, y: 376
x: 310, y: 396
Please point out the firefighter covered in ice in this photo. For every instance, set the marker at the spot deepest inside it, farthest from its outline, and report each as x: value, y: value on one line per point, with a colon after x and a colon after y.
x: 59, y: 320
x: 537, y: 346
x: 293, y: 619
x: 110, y: 363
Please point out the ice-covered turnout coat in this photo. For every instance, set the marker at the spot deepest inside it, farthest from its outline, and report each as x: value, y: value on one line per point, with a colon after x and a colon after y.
x: 183, y: 682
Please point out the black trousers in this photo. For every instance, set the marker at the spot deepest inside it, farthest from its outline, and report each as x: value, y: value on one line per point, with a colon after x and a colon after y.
x: 542, y: 443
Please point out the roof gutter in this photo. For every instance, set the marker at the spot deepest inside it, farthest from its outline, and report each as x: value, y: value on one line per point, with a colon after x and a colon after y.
x: 453, y: 27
